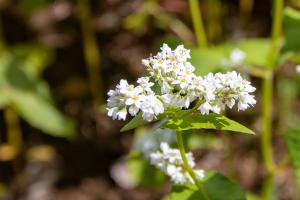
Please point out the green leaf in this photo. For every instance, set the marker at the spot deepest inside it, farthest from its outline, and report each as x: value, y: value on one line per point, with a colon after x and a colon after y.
x: 42, y: 115
x: 188, y: 119
x: 138, y: 119
x: 209, y: 59
x: 256, y: 50
x: 291, y: 29
x: 135, y: 122
x: 31, y: 97
x: 143, y: 173
x: 216, y: 186
x: 292, y: 140
x: 31, y: 5
x: 35, y: 57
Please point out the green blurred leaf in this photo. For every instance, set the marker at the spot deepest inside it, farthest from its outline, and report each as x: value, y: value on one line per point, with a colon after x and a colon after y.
x: 32, y: 5
x: 31, y: 97
x: 291, y: 29
x: 292, y: 140
x: 203, y: 140
x: 138, y: 119
x: 188, y: 119
x: 216, y: 186
x: 4, y: 100
x: 143, y: 173
x: 136, y: 22
x: 35, y: 57
x: 256, y: 50
x: 42, y: 114
x: 209, y: 59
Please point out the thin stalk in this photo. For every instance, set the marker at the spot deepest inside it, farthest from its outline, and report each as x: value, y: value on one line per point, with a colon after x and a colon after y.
x: 246, y: 7
x: 267, y: 90
x: 197, y: 23
x: 187, y: 167
x: 266, y: 137
x: 91, y: 52
x: 14, y: 132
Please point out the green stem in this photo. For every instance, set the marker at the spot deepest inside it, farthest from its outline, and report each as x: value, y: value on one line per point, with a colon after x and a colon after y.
x: 198, y: 24
x: 276, y: 32
x: 266, y: 136
x: 267, y: 90
x: 2, y: 41
x: 14, y: 132
x: 91, y: 52
x: 187, y: 167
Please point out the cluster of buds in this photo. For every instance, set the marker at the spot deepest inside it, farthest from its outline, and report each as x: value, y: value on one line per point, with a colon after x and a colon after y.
x: 169, y: 161
x: 179, y: 87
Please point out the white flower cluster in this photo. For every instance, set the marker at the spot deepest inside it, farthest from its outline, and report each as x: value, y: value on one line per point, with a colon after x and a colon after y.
x: 179, y: 87
x: 169, y: 161
x: 134, y: 99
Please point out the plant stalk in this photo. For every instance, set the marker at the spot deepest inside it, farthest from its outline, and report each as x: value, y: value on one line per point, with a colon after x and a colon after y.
x: 91, y: 52
x: 266, y: 137
x: 197, y: 23
x: 267, y: 90
x: 187, y: 167
x: 14, y: 133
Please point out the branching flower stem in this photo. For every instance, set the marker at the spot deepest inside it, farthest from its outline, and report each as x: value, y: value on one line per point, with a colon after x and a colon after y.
x: 187, y: 166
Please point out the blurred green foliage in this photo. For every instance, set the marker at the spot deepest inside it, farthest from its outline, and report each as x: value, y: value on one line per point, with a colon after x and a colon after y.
x: 292, y: 139
x: 23, y: 89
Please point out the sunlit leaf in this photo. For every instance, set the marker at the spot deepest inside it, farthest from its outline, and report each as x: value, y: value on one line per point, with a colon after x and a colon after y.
x: 292, y: 140
x: 188, y: 119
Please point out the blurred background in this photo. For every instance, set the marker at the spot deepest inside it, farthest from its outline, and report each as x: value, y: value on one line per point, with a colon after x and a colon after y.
x: 58, y: 59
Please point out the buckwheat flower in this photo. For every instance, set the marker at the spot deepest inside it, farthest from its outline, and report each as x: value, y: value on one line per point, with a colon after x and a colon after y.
x: 145, y: 84
x: 199, y: 173
x: 169, y: 161
x: 151, y: 107
x: 205, y: 108
x: 237, y: 56
x: 182, y: 53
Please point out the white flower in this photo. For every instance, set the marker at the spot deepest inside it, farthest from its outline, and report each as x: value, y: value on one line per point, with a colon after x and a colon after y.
x: 151, y: 107
x: 169, y: 161
x: 298, y: 69
x: 205, y: 108
x: 237, y: 56
x: 199, y: 173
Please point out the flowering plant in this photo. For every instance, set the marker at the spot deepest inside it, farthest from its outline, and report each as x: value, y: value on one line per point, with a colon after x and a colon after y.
x: 187, y: 101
